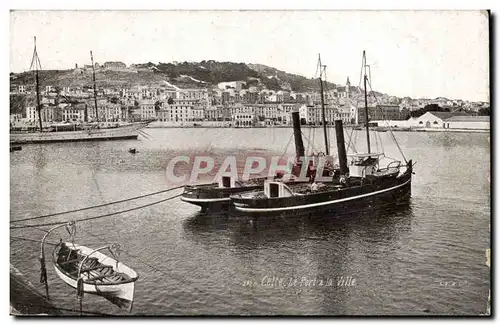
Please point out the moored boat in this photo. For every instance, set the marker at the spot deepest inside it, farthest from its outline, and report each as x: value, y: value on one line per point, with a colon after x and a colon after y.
x: 364, y: 183
x: 64, y: 132
x: 215, y: 197
x: 130, y: 131
x: 100, y: 274
x: 89, y: 270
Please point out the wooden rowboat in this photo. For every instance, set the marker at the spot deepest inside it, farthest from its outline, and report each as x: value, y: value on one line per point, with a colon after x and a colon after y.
x: 100, y: 274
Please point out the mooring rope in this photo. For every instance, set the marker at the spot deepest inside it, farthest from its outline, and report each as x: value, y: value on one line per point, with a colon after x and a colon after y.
x: 97, y: 217
x: 97, y: 206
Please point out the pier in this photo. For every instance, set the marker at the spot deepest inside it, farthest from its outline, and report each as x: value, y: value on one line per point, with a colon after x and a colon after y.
x: 25, y: 300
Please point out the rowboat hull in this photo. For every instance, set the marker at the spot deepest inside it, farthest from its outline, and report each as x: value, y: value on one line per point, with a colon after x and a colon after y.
x: 119, y: 133
x: 120, y: 294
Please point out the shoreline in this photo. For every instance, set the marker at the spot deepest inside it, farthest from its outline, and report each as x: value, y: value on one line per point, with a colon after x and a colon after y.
x: 315, y: 127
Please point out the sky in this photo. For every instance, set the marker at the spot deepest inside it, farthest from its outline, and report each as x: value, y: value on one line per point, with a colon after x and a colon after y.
x: 412, y: 53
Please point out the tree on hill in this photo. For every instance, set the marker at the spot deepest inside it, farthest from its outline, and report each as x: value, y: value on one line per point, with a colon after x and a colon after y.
x: 272, y: 84
x: 429, y: 108
x: 484, y: 111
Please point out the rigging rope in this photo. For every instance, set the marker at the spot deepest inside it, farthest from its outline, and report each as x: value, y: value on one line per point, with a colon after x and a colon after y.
x: 312, y: 145
x: 350, y: 142
x: 376, y: 140
x: 307, y: 148
x: 287, y: 145
x: 99, y: 216
x: 97, y: 206
x: 31, y: 240
x: 381, y: 143
x: 387, y: 123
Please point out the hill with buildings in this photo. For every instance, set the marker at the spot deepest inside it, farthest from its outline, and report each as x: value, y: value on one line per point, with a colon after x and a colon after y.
x: 184, y: 75
x: 225, y: 83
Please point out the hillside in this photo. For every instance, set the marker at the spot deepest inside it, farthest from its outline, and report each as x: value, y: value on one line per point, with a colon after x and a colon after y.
x: 185, y: 75
x: 297, y: 83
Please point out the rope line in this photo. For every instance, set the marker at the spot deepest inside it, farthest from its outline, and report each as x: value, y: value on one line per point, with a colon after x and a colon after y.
x: 313, y: 149
x: 387, y: 123
x: 96, y: 206
x: 31, y: 240
x: 99, y: 216
x: 287, y: 145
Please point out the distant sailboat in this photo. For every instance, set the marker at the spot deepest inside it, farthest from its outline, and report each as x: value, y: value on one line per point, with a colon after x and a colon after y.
x: 92, y: 133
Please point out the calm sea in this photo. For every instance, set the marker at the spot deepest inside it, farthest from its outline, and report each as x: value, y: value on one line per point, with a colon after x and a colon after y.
x: 427, y: 258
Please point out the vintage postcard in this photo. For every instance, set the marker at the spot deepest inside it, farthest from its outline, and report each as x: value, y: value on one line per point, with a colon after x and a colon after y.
x: 250, y: 162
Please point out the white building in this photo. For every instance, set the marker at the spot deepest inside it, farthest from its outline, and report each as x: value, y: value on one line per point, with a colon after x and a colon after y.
x: 176, y: 113
x: 243, y: 115
x: 147, y: 109
x: 198, y: 114
x: 441, y: 120
x: 468, y: 122
x: 314, y: 114
x: 15, y: 118
x: 31, y: 114
x: 73, y: 114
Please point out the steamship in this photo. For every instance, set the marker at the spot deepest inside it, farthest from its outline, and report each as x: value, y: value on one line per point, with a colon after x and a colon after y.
x: 364, y: 183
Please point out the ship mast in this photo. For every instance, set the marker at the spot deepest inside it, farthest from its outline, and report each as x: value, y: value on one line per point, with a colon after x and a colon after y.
x: 35, y: 63
x: 366, y: 103
x: 327, y: 149
x: 95, y: 89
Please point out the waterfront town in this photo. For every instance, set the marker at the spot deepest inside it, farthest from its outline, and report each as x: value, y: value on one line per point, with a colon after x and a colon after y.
x: 231, y: 104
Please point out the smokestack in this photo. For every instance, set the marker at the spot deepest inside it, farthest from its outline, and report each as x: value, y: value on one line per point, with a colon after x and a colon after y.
x: 299, y: 145
x: 339, y: 134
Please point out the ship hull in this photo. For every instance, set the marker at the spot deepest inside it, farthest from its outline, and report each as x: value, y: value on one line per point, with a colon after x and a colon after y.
x: 212, y: 199
x: 120, y: 294
x: 120, y: 133
x: 392, y: 192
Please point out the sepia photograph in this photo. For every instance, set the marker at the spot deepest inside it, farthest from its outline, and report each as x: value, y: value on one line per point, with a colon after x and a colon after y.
x: 250, y: 162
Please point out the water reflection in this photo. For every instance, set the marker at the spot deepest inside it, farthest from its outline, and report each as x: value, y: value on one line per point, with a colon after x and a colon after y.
x: 319, y: 247
x: 250, y: 233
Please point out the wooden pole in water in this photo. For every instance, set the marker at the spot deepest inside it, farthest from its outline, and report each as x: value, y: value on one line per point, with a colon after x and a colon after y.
x: 339, y: 134
x: 297, y: 133
x: 95, y: 89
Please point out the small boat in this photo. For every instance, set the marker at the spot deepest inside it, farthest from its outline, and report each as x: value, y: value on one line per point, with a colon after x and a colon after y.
x: 69, y: 132
x: 15, y: 148
x: 132, y: 150
x: 214, y: 197
x: 100, y: 274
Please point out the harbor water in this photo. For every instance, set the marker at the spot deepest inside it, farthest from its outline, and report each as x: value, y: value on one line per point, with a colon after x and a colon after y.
x: 424, y: 258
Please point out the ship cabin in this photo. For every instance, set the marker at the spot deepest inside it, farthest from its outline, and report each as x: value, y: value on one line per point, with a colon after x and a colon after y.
x: 228, y: 182
x: 363, y: 164
x: 277, y: 189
